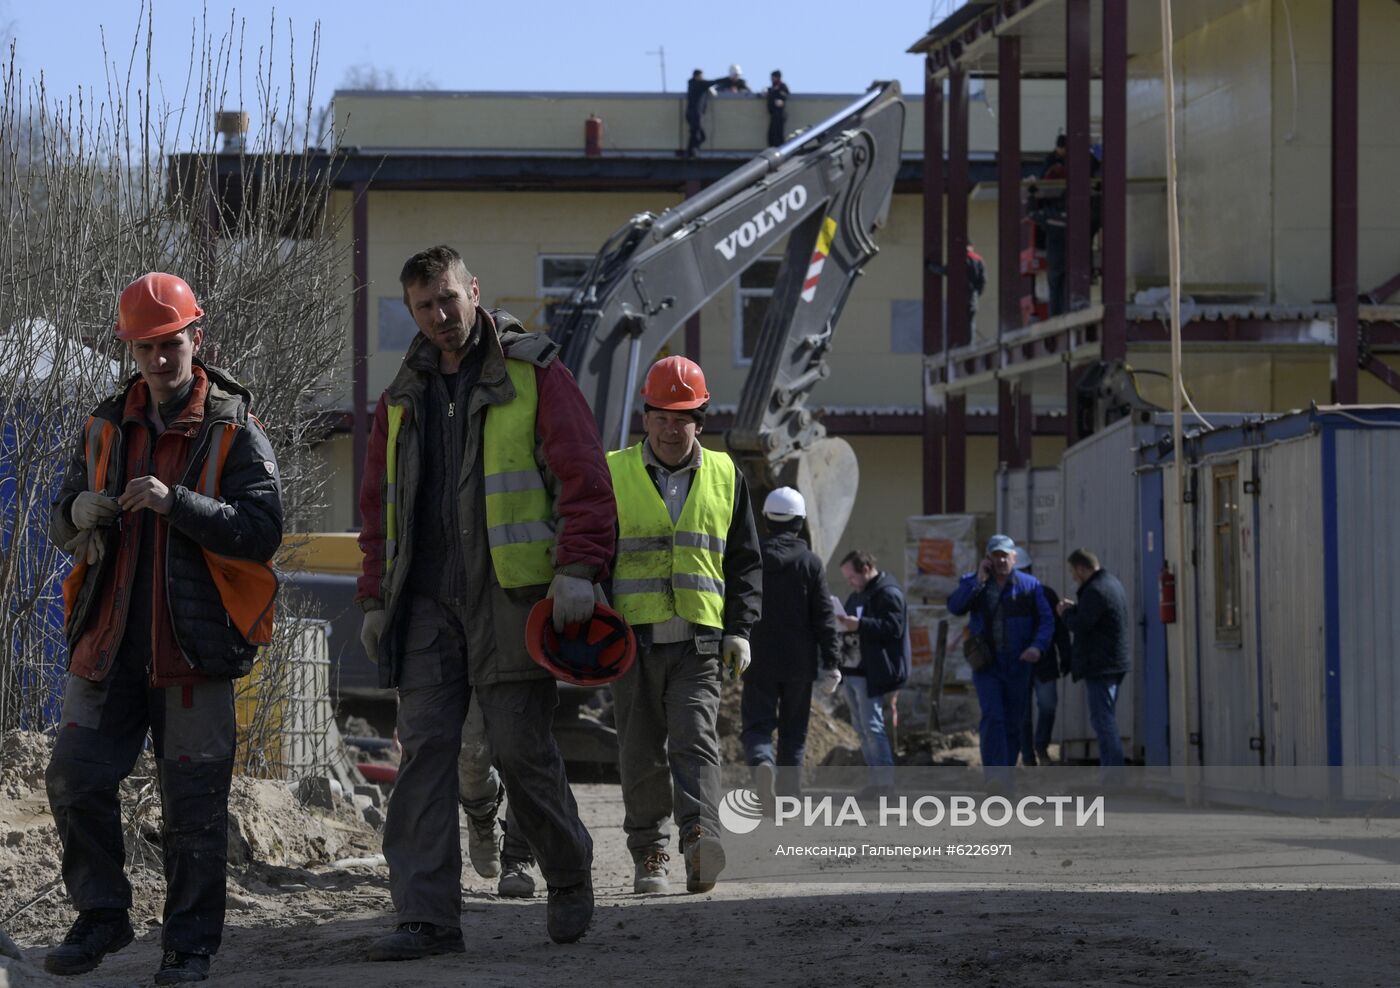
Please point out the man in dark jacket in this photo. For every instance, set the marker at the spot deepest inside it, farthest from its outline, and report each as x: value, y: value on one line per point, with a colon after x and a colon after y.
x: 1102, y: 647
x: 876, y: 610
x: 1012, y: 617
x: 794, y: 644
x: 485, y: 490
x: 697, y: 100
x: 777, y: 95
x: 172, y: 508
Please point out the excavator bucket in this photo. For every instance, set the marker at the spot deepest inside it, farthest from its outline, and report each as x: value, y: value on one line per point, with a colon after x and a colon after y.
x: 828, y: 476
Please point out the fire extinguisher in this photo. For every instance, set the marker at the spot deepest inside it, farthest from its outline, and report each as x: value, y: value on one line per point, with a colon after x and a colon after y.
x: 1166, y: 595
x: 593, y: 136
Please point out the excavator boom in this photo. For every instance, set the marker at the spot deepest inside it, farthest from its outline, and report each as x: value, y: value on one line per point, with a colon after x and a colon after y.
x: 826, y: 191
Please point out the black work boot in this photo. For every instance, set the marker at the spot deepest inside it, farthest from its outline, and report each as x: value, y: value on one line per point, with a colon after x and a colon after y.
x: 178, y: 967
x: 570, y: 911
x: 414, y: 940
x: 96, y: 933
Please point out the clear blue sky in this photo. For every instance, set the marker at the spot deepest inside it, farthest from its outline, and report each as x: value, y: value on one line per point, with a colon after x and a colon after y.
x: 591, y: 45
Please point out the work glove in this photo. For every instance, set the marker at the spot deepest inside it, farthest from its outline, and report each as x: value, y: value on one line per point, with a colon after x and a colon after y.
x: 92, y: 510
x: 87, y: 546
x: 573, y: 600
x: 371, y: 630
x: 829, y: 680
x: 734, y: 654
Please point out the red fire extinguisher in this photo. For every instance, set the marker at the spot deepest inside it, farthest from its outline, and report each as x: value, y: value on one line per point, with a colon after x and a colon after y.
x: 1166, y: 594
x: 593, y: 136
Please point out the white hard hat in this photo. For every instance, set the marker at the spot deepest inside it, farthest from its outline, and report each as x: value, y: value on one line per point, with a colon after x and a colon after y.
x: 735, y: 70
x: 784, y: 504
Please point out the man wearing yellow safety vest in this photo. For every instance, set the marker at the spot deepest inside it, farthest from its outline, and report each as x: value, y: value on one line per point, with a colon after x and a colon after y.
x: 688, y: 578
x: 172, y: 508
x: 485, y: 488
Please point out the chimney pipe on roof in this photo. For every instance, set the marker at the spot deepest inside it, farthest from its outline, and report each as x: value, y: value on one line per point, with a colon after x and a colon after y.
x: 232, y: 124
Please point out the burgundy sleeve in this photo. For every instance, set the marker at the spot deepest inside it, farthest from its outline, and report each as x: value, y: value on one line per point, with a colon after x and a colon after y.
x: 584, y: 509
x: 372, y: 508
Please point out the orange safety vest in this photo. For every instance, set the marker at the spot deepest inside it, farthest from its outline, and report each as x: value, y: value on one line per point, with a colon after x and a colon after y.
x: 247, y: 588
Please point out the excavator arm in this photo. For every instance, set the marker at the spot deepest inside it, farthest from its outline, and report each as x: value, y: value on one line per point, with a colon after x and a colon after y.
x: 826, y: 191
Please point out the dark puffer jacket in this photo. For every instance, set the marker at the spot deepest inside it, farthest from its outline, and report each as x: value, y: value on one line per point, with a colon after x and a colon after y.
x: 1099, y: 621
x: 796, y: 636
x: 199, y: 640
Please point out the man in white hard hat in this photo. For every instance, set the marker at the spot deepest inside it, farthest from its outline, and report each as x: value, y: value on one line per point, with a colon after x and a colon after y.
x: 794, y: 645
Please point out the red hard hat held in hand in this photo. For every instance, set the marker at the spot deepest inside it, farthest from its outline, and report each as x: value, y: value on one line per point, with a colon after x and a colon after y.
x: 592, y: 654
x: 155, y: 304
x: 676, y: 384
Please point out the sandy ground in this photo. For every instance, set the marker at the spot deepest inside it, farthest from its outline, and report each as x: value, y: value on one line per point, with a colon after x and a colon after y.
x: 295, y: 919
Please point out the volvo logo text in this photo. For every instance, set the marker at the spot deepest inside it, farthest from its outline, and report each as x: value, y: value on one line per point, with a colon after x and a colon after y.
x: 762, y: 222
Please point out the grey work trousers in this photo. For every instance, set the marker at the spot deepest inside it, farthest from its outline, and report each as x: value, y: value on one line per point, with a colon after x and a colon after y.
x: 104, y: 730
x: 479, y: 784
x: 667, y: 709
x: 422, y: 836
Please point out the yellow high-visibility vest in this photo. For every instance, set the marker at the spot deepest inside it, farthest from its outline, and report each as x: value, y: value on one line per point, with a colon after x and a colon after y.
x: 664, y: 569
x: 519, y: 512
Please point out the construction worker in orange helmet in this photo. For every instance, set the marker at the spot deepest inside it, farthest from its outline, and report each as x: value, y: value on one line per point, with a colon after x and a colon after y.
x: 172, y: 508
x: 688, y: 580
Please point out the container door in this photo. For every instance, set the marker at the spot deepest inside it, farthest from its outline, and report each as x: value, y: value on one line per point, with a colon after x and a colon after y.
x: 1227, y: 631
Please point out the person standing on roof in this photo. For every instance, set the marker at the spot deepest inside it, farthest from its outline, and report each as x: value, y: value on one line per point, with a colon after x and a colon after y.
x: 698, y: 91
x: 794, y: 645
x: 172, y: 508
x: 688, y: 580
x: 733, y: 82
x: 697, y: 100
x: 485, y: 490
x: 777, y: 95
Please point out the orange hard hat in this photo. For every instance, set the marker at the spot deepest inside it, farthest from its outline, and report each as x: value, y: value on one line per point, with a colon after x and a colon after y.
x: 592, y: 653
x: 676, y: 384
x: 155, y: 304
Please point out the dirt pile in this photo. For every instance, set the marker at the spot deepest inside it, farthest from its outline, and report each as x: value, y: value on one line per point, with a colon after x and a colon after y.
x: 273, y: 841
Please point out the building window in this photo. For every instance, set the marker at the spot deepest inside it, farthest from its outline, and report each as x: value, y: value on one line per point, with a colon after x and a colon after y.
x: 1225, y: 509
x: 751, y: 306
x: 559, y: 273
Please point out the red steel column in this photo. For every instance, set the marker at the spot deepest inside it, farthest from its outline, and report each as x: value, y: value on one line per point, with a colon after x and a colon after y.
x: 956, y: 499
x: 1345, y: 90
x: 1008, y: 184
x: 1114, y: 236
x: 1025, y: 428
x: 959, y: 331
x: 1077, y: 68
x: 935, y: 424
x: 1006, y: 424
